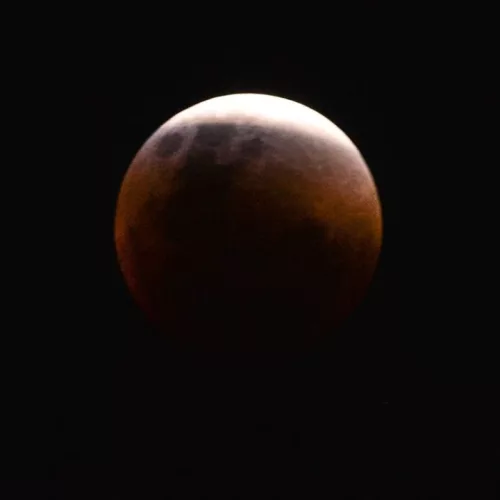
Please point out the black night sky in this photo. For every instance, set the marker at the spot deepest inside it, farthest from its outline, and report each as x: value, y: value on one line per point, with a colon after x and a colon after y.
x: 374, y: 413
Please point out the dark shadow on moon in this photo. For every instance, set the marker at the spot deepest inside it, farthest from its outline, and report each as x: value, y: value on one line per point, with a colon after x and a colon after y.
x: 253, y: 148
x: 214, y: 135
x: 169, y: 144
x: 199, y: 206
x: 236, y: 276
x: 219, y: 280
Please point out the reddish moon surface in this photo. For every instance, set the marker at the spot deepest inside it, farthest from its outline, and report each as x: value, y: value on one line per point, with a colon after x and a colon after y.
x: 249, y: 222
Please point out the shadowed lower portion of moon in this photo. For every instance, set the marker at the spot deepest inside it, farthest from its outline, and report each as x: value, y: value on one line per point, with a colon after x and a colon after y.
x: 235, y: 235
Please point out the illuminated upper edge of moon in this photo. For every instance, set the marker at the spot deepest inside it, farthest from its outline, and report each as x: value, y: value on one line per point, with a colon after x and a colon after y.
x: 260, y: 108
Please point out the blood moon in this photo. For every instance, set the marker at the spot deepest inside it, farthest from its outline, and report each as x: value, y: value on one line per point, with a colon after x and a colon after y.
x: 248, y: 221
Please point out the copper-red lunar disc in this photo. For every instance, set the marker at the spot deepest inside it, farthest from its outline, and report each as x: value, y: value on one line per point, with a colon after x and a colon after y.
x: 248, y: 222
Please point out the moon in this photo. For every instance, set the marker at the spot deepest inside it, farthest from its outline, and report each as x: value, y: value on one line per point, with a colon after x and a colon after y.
x: 248, y: 222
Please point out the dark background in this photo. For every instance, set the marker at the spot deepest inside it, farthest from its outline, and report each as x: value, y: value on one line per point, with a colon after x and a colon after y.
x: 387, y: 409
